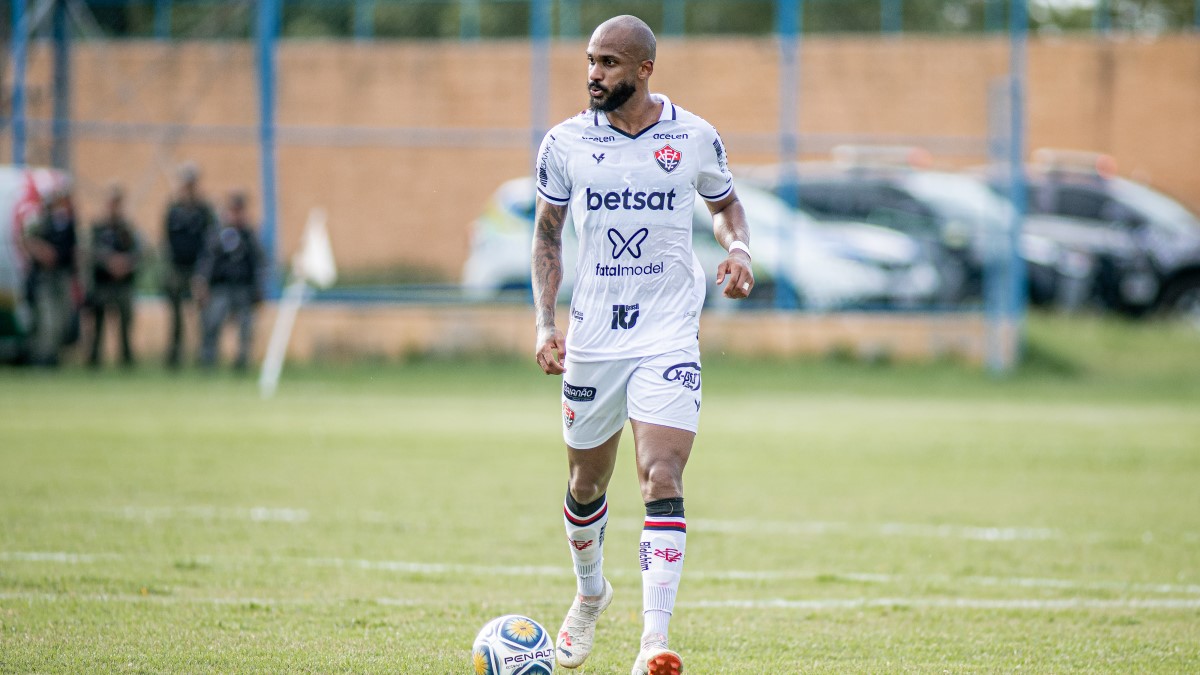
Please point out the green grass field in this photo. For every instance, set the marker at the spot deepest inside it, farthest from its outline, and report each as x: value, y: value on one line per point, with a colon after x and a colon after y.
x: 843, y: 517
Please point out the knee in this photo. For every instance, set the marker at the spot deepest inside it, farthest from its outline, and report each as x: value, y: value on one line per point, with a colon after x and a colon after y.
x: 585, y: 488
x: 663, y: 480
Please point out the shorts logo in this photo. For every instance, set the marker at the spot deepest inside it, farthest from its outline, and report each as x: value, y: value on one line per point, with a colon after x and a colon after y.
x: 579, y: 393
x: 625, y: 316
x: 568, y: 416
x: 668, y: 158
x: 686, y: 374
x: 633, y: 244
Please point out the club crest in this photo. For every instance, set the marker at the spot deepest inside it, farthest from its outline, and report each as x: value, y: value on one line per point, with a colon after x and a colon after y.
x: 568, y: 415
x: 668, y: 158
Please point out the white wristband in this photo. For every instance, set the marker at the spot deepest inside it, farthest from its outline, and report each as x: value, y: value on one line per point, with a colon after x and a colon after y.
x: 736, y: 245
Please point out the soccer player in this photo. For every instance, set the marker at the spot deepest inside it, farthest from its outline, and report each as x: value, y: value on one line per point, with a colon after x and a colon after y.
x: 628, y: 168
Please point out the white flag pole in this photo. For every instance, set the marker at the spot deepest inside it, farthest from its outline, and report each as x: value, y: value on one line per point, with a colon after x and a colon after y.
x: 313, y: 262
x: 281, y: 334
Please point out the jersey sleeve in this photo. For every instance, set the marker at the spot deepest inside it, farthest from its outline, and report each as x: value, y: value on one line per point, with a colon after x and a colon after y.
x: 714, y: 181
x: 553, y: 185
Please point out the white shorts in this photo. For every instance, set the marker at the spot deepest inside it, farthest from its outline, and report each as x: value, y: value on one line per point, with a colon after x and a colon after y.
x: 598, y: 396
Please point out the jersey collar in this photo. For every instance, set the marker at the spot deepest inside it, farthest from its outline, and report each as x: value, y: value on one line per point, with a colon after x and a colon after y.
x: 668, y: 113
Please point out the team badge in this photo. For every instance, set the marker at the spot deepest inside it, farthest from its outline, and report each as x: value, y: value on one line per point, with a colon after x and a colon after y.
x: 668, y: 158
x: 568, y: 416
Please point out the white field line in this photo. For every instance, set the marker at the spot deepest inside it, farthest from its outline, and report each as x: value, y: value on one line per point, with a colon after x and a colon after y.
x: 910, y: 530
x: 254, y: 514
x: 1039, y: 604
x: 264, y: 514
x: 1026, y: 604
x: 55, y: 557
x: 561, y: 571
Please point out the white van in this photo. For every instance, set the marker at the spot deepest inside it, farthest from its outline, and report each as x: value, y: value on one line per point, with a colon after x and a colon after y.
x: 21, y: 192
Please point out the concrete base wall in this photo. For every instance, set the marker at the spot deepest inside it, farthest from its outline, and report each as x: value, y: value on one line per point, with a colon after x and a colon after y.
x: 337, y: 333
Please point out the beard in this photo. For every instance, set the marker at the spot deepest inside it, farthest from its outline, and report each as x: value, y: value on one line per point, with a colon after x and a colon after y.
x: 617, y: 96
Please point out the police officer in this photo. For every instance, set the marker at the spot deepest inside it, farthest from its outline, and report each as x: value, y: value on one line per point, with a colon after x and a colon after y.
x: 189, y: 222
x: 51, y: 242
x: 114, y: 257
x: 229, y: 281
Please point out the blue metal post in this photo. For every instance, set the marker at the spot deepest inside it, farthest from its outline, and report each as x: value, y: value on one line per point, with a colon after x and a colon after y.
x: 789, y: 18
x: 266, y: 32
x: 892, y: 16
x: 20, y: 48
x: 60, y: 148
x: 1102, y: 17
x: 162, y: 19
x: 568, y: 18
x: 539, y: 71
x: 1014, y: 298
x: 674, y: 17
x: 468, y: 19
x: 364, y: 19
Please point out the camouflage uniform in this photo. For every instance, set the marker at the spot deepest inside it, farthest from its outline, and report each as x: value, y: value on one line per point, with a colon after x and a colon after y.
x: 51, y: 285
x: 188, y: 225
x: 112, y: 239
x: 232, y: 267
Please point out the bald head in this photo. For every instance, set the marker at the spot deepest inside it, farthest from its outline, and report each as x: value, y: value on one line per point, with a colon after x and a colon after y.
x: 627, y: 34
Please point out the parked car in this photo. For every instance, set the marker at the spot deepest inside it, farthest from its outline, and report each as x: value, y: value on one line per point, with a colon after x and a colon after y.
x: 1145, y: 244
x: 826, y: 265
x: 814, y: 265
x: 21, y: 192
x: 954, y: 218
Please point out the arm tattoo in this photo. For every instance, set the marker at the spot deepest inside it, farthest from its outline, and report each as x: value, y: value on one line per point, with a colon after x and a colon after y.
x: 547, y: 260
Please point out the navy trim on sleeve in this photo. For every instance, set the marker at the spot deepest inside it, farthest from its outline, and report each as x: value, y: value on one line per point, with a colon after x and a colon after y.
x: 716, y: 198
x: 558, y: 201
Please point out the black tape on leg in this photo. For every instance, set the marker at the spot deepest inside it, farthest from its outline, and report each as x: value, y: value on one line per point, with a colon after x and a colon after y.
x: 665, y: 507
x: 583, y: 510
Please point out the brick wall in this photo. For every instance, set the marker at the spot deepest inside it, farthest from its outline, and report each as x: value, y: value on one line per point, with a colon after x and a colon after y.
x: 394, y: 205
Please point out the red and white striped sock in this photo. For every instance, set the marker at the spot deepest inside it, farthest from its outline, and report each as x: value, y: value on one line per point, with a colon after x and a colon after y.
x: 585, y: 533
x: 661, y: 552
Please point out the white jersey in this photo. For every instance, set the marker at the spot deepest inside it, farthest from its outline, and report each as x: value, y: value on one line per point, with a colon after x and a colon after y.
x: 639, y: 287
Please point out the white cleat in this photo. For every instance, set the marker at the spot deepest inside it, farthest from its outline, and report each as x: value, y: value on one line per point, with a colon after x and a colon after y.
x: 578, y: 630
x: 656, y: 659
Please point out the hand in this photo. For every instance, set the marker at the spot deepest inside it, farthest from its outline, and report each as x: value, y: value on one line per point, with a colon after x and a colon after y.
x: 43, y: 253
x: 737, y: 269
x: 551, y: 351
x: 200, y: 292
x: 120, y: 265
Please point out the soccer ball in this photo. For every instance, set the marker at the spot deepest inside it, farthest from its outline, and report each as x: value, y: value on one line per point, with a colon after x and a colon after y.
x: 512, y: 645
